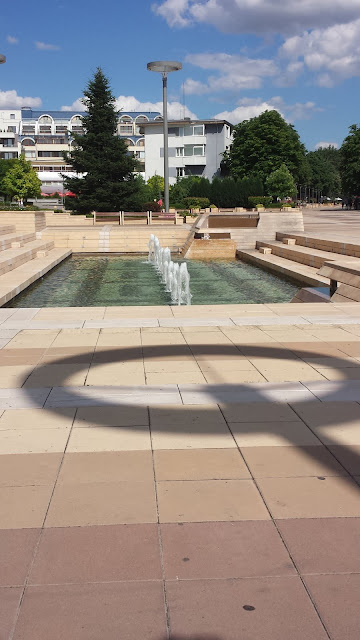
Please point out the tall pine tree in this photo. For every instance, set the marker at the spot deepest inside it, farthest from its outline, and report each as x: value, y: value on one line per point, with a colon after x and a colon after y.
x: 108, y: 183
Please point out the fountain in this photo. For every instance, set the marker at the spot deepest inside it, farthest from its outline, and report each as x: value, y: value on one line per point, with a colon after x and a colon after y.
x: 175, y: 277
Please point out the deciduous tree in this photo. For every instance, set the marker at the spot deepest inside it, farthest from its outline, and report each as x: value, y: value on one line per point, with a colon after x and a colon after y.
x: 280, y: 183
x: 262, y: 144
x: 350, y: 162
x: 21, y: 180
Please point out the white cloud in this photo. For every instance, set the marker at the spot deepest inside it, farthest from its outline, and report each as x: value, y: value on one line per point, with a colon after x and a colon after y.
x: 130, y: 103
x: 258, y: 16
x: 11, y: 100
x: 324, y: 145
x: 251, y: 107
x: 235, y: 72
x: 332, y: 54
x: 46, y: 47
x: 77, y: 105
x: 12, y: 40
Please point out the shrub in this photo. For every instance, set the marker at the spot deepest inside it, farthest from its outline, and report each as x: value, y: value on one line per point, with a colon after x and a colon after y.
x: 264, y: 201
x: 150, y: 206
x: 196, y: 203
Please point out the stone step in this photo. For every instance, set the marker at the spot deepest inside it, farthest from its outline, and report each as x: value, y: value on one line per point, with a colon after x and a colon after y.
x: 277, y: 264
x: 10, y: 259
x: 6, y: 228
x: 304, y: 255
x: 6, y: 240
x: 323, y: 244
x: 11, y: 284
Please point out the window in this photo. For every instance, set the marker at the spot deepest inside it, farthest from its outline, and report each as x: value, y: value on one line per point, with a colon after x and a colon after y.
x: 7, y: 155
x: 7, y: 142
x: 125, y: 129
x: 45, y: 120
x: 180, y: 172
x: 140, y: 155
x: 198, y: 130
x: 125, y: 119
x: 45, y: 129
x: 141, y: 143
x: 30, y: 154
x: 77, y: 129
x: 12, y: 116
x: 11, y: 129
x: 76, y: 120
x: 28, y: 129
x: 61, y: 129
x: 49, y: 154
x: 179, y: 152
x: 28, y: 142
x: 194, y: 150
x: 188, y: 131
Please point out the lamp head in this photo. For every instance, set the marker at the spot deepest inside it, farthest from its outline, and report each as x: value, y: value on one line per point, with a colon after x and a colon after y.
x: 164, y: 66
x: 2, y: 58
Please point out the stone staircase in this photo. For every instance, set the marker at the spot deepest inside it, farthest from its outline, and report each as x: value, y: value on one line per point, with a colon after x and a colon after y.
x: 24, y: 257
x: 307, y: 259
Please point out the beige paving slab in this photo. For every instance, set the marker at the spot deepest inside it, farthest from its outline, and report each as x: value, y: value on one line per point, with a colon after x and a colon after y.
x: 102, y: 503
x: 259, y: 412
x: 57, y: 375
x: 272, y: 434
x: 210, y: 500
x: 33, y: 440
x: 109, y: 439
x: 200, y: 437
x: 287, y: 462
x: 29, y: 470
x: 23, y: 507
x: 76, y: 338
x: 32, y: 338
x: 171, y: 366
x: 59, y: 418
x: 225, y: 366
x: 335, y: 423
x: 340, y: 374
x: 311, y: 497
x: 109, y: 466
x: 290, y: 374
x: 180, y: 377
x: 234, y: 377
x: 111, y: 416
x: 187, y: 417
x: 199, y: 464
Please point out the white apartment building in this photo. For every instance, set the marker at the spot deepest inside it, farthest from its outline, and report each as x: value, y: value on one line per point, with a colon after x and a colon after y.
x: 195, y: 147
x: 42, y: 136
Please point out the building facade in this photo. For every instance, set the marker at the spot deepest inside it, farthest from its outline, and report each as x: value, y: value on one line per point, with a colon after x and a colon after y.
x: 195, y: 147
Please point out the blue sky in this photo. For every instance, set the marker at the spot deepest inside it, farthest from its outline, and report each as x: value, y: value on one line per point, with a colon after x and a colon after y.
x: 239, y: 57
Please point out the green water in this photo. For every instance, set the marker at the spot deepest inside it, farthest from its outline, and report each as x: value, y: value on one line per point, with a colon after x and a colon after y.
x: 97, y: 281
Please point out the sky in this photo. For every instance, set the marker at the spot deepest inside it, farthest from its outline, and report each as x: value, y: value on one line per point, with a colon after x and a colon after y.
x: 239, y: 57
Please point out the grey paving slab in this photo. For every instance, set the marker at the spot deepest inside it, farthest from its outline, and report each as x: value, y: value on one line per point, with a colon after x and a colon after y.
x: 344, y: 391
x: 97, y: 396
x: 122, y: 322
x: 56, y: 325
x: 195, y: 322
x: 332, y: 319
x: 5, y: 314
x: 23, y: 398
x: 266, y: 320
x: 256, y: 392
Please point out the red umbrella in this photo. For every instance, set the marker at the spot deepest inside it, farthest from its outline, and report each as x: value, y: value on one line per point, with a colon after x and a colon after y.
x: 70, y: 194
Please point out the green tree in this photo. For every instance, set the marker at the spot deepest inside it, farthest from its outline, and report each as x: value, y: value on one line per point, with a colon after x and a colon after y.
x: 5, y: 166
x: 21, y: 181
x: 108, y: 182
x: 156, y: 187
x: 280, y: 183
x: 350, y: 161
x: 263, y: 144
x: 325, y: 174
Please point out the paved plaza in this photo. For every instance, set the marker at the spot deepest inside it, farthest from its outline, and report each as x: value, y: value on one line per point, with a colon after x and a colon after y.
x: 183, y: 473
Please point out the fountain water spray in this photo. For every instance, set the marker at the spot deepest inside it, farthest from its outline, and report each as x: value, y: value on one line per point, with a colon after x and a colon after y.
x: 175, y: 277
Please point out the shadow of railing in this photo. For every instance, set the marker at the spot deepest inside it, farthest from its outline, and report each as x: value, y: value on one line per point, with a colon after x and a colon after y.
x: 217, y: 394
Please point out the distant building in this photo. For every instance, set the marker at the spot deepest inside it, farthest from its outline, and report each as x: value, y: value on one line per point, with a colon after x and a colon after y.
x: 195, y: 147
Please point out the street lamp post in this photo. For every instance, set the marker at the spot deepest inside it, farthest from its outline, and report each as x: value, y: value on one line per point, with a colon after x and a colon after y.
x: 164, y: 67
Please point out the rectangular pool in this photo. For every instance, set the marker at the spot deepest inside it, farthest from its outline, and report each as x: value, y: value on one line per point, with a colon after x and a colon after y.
x: 97, y: 281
